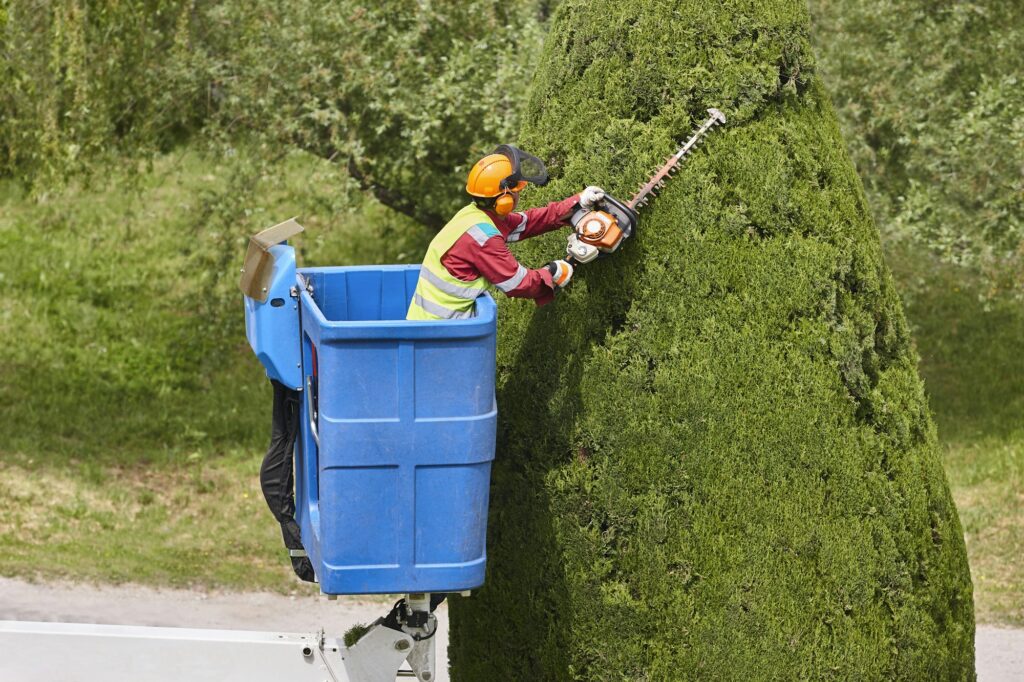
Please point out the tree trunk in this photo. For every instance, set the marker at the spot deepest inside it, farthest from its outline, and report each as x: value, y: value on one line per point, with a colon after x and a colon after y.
x: 716, y: 459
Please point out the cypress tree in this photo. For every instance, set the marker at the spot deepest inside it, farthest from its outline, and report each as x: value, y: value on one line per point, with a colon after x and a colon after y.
x: 715, y: 459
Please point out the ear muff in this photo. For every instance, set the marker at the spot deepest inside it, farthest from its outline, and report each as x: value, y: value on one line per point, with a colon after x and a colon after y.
x: 504, y: 204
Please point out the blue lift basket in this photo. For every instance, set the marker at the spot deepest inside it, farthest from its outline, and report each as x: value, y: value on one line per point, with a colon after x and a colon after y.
x: 393, y: 457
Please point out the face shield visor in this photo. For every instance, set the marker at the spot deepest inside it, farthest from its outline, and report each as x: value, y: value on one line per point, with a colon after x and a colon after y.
x: 526, y: 168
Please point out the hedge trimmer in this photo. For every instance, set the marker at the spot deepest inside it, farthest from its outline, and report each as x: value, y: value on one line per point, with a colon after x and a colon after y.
x: 600, y: 231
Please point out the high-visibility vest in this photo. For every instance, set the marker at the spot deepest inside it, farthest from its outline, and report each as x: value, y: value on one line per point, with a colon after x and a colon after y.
x: 439, y: 295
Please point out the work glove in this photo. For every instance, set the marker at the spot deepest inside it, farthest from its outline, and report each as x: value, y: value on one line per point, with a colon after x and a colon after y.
x: 561, y: 272
x: 590, y: 196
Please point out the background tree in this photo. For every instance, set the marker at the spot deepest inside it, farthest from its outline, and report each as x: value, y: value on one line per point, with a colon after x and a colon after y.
x: 403, y: 95
x: 930, y: 99
x: 81, y: 80
x: 716, y: 458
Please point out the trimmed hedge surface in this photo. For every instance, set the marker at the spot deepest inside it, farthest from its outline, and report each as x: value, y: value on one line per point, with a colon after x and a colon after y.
x: 716, y: 459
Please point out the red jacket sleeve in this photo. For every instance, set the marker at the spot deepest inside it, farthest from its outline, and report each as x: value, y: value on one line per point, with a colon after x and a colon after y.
x: 535, y: 221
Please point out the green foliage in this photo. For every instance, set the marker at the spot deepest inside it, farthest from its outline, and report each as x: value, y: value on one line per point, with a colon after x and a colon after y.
x: 716, y: 459
x: 930, y: 98
x: 971, y: 358
x: 354, y: 634
x: 81, y: 79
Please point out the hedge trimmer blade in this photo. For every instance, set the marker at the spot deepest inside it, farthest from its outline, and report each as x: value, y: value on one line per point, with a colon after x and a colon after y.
x: 662, y: 174
x: 599, y: 230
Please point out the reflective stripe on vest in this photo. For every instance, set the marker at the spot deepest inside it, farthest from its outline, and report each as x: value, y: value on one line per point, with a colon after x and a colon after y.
x: 439, y: 311
x: 439, y: 295
x: 457, y: 290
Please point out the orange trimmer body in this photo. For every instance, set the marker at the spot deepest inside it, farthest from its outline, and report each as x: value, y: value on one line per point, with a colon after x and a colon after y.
x: 600, y: 229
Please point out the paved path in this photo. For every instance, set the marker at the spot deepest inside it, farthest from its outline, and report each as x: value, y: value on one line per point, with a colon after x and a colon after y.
x: 1000, y: 651
x: 999, y: 654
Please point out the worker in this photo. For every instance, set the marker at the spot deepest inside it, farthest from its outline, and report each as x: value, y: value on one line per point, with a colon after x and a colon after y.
x: 472, y: 249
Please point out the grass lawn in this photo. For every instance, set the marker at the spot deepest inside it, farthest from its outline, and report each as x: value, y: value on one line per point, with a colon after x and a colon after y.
x: 135, y: 417
x: 987, y: 478
x: 200, y: 523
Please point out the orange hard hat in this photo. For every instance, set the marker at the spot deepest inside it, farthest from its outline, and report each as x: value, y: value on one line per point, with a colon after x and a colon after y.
x: 486, y: 176
x: 508, y: 169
